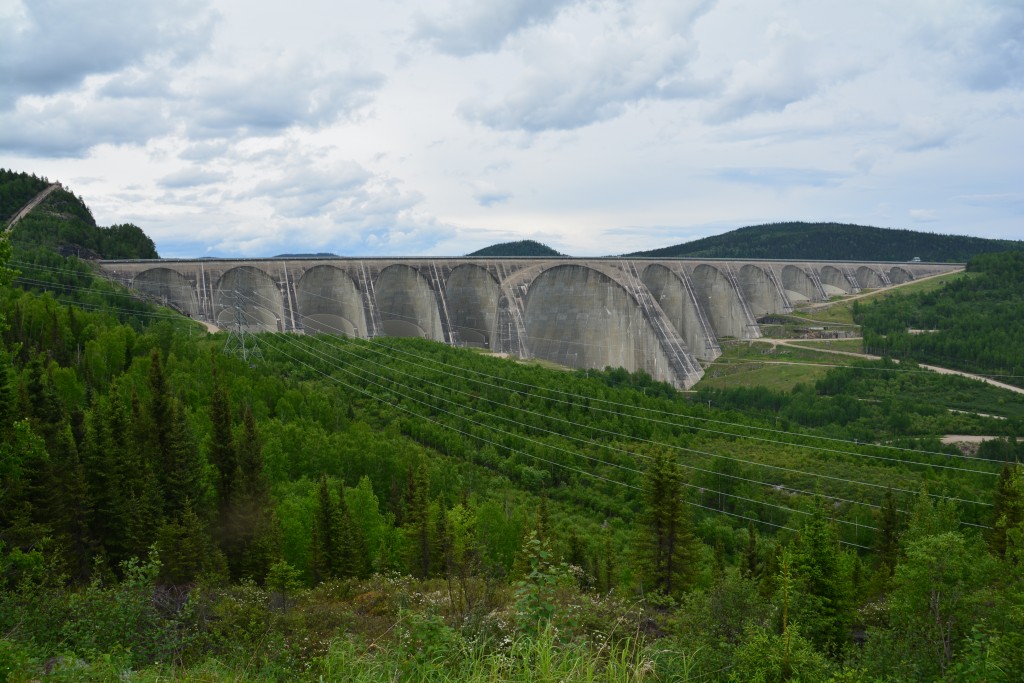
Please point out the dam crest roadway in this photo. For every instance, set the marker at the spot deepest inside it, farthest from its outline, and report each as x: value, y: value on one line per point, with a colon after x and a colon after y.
x: 663, y: 316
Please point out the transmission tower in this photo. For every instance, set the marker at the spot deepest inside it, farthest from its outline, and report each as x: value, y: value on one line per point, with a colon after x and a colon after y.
x: 241, y: 342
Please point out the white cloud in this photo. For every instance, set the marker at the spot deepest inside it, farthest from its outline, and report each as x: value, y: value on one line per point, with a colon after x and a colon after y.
x: 466, y: 27
x: 591, y: 65
x: 50, y: 46
x: 250, y: 127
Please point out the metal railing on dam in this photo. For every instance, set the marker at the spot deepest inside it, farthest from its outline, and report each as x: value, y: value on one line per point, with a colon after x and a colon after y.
x: 663, y: 316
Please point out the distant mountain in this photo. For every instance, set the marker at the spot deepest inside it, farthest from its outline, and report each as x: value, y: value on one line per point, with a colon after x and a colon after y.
x: 834, y: 241
x: 319, y: 254
x: 514, y: 249
x: 64, y: 224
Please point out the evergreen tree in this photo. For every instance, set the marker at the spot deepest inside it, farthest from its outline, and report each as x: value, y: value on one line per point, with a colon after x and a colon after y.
x: 187, y: 551
x: 751, y: 562
x: 887, y: 534
x: 667, y: 548
x: 184, y: 475
x: 322, y: 539
x: 70, y: 506
x: 251, y: 534
x: 221, y: 446
x: 417, y: 521
x: 823, y: 595
x: 1007, y: 508
x: 351, y: 559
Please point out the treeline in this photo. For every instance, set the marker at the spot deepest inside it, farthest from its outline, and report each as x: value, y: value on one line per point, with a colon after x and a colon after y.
x: 834, y: 241
x: 974, y: 324
x: 902, y: 403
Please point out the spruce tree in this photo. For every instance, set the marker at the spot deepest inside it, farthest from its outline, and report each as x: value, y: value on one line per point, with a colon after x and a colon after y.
x: 322, y: 541
x: 221, y: 445
x: 823, y: 595
x: 1007, y: 507
x: 351, y: 559
x: 668, y: 551
x: 887, y: 540
x: 417, y: 521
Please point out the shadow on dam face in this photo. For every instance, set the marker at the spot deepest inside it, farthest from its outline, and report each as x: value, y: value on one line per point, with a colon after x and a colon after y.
x: 759, y: 291
x: 329, y: 301
x: 898, y: 275
x: 407, y: 305
x: 834, y: 282
x: 248, y: 295
x: 869, y: 278
x: 581, y: 318
x: 721, y: 301
x: 169, y: 286
x: 798, y: 285
x: 472, y: 295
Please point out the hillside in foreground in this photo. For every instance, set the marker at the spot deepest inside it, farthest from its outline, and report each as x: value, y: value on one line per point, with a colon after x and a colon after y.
x: 834, y: 241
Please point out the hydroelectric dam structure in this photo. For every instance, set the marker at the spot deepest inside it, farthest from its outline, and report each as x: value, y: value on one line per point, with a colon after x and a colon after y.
x: 663, y: 316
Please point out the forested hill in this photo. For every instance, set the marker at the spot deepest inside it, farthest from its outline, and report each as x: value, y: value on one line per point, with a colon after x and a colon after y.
x: 839, y: 241
x: 63, y: 223
x: 520, y: 248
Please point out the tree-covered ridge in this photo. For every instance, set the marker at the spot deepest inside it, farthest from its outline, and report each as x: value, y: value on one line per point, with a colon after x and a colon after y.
x: 16, y: 189
x: 62, y: 222
x: 975, y: 323
x: 834, y: 241
x: 520, y: 248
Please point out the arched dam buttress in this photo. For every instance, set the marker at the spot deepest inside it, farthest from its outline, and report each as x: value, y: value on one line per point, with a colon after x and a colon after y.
x: 329, y: 301
x: 580, y: 317
x: 407, y: 305
x: 473, y: 295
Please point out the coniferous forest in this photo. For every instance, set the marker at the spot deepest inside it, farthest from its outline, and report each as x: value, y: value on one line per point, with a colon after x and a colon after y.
x: 324, y: 508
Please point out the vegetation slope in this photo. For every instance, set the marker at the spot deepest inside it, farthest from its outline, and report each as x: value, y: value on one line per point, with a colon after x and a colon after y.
x: 397, y: 509
x: 834, y: 241
x: 514, y: 249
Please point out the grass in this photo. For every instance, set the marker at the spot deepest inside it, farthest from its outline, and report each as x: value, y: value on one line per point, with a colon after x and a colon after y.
x: 759, y: 364
x: 848, y: 345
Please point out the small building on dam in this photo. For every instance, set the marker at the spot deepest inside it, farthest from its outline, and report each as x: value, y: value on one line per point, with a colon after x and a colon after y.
x: 662, y: 316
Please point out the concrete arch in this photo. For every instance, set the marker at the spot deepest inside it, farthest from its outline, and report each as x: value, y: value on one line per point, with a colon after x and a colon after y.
x: 472, y: 294
x: 835, y: 281
x: 798, y: 284
x: 671, y: 294
x: 329, y: 301
x: 898, y: 275
x: 580, y: 317
x: 407, y: 305
x: 869, y: 278
x: 250, y: 296
x: 720, y: 300
x: 169, y: 286
x: 760, y: 292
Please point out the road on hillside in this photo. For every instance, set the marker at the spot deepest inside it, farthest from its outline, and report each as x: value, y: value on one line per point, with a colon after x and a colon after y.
x: 868, y: 356
x: 33, y: 203
x: 827, y: 304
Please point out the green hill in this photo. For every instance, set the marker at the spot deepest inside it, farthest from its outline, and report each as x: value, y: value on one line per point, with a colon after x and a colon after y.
x: 63, y: 223
x: 838, y: 241
x: 520, y: 248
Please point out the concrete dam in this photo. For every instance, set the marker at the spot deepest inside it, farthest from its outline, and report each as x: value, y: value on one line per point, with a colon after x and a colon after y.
x: 663, y: 316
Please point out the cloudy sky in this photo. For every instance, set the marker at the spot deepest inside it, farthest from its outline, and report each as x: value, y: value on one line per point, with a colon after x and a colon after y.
x: 253, y: 128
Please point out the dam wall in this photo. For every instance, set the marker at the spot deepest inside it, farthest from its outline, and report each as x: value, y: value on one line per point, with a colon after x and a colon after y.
x: 663, y: 316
